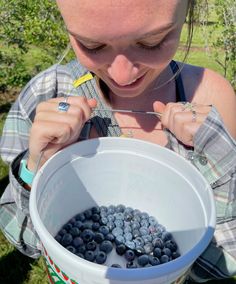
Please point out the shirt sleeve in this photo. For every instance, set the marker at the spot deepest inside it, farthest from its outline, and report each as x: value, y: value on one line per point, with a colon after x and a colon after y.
x: 15, y: 221
x: 214, y: 155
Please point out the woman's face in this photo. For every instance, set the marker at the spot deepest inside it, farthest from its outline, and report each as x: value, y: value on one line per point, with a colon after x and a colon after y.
x: 126, y: 43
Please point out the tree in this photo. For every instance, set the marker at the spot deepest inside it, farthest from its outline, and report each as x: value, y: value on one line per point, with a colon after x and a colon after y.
x: 23, y: 26
x: 226, y: 41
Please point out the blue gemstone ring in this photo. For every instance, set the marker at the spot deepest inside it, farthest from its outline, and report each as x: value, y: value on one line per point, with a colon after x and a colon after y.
x: 63, y: 106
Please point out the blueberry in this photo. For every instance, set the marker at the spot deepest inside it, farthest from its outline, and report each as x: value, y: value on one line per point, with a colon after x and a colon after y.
x: 87, y: 235
x: 80, y: 217
x: 119, y: 223
x: 136, y: 233
x: 170, y: 244
x: 120, y: 249
x: 135, y: 225
x: 104, y: 230
x: 148, y: 248
x: 139, y: 251
x: 148, y: 265
x: 127, y: 229
x: 147, y: 239
x: 110, y: 218
x: 95, y: 226
x: 143, y: 260
x: 103, y: 220
x: 143, y: 231
x: 66, y: 239
x: 137, y: 219
x: 95, y: 210
x: 128, y: 216
x: 78, y: 241
x: 115, y: 265
x: 152, y: 220
x: 119, y: 240
x: 117, y: 231
x: 58, y: 238
x: 95, y: 217
x: 130, y: 244
x: 110, y: 237
x: 106, y: 246
x: 110, y: 225
x: 71, y: 249
x: 166, y: 251
x: 131, y: 264
x: 136, y: 212
x: 139, y: 242
x: 120, y: 208
x: 166, y: 236
x: 80, y: 255
x: 119, y: 216
x: 129, y: 255
x: 157, y: 252
x: 128, y: 236
x: 75, y: 232
x: 164, y: 258
x: 89, y: 255
x: 103, y: 209
x: 98, y: 237
x: 153, y: 260
x: 88, y: 225
x: 67, y: 227
x: 157, y: 242
x: 72, y: 220
x: 79, y: 224
x: 144, y: 223
x: 88, y: 214
x: 62, y: 232
x: 144, y: 215
x: 81, y: 249
x: 175, y: 254
x: 91, y: 246
x: 101, y: 257
x: 111, y: 209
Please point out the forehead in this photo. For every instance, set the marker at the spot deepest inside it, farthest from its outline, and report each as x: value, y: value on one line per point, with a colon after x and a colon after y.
x: 120, y: 18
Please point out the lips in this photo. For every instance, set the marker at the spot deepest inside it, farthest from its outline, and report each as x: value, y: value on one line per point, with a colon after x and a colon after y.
x: 134, y: 84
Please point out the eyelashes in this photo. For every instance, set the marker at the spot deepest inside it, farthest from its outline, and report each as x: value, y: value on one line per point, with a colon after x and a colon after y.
x: 101, y: 48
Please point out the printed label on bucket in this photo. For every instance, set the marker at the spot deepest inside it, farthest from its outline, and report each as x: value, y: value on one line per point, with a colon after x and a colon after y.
x: 55, y: 274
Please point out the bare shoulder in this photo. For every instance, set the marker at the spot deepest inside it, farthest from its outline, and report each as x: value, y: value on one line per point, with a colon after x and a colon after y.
x: 205, y: 86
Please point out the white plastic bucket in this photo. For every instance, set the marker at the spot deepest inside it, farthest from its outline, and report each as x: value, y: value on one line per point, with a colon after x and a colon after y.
x: 125, y: 171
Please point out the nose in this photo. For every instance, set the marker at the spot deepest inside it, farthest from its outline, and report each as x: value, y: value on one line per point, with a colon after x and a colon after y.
x: 122, y: 70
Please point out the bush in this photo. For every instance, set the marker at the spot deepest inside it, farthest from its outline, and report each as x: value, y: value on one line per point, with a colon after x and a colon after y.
x: 23, y: 26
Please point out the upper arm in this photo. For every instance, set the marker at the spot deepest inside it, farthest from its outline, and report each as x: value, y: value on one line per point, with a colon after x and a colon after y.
x: 207, y: 87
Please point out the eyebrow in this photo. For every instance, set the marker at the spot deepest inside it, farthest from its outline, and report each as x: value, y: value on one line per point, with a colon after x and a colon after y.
x: 155, y: 32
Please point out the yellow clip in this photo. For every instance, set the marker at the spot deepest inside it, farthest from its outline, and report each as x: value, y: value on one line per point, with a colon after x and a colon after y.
x: 82, y: 79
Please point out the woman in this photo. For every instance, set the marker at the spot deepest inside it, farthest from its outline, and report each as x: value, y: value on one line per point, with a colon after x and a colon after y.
x: 128, y: 47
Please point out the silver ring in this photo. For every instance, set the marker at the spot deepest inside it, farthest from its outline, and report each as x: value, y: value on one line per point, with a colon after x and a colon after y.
x: 194, y: 116
x: 188, y: 105
x: 64, y: 106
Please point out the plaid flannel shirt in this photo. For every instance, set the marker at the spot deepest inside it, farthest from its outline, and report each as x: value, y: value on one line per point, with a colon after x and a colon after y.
x: 214, y: 155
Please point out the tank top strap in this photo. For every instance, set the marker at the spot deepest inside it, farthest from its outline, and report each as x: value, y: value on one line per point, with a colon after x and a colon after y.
x: 180, y: 93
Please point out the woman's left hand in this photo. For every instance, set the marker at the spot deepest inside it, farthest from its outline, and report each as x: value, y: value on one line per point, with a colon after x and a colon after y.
x: 182, y: 119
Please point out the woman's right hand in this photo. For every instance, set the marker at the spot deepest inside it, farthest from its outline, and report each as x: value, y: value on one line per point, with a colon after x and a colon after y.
x: 53, y: 129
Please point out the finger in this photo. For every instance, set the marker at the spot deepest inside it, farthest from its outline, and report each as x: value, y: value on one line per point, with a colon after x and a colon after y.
x: 189, y: 130
x: 74, y: 121
x: 46, y: 132
x: 159, y: 106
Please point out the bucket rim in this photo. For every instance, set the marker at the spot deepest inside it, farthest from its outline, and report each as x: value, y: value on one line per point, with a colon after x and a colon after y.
x: 184, y: 261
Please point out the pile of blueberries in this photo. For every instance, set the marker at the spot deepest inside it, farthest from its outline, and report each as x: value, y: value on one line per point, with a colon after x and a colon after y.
x: 138, y: 237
